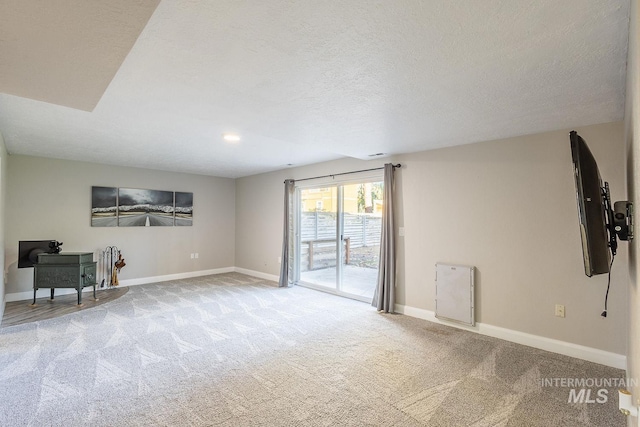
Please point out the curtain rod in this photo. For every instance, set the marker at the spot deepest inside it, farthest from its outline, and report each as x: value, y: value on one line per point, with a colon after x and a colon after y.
x: 345, y: 173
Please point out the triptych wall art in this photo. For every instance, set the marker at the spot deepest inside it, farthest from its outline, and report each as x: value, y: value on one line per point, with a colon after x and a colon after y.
x: 132, y: 207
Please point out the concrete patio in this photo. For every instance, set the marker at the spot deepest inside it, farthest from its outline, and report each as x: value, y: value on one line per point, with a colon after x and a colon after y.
x: 359, y: 281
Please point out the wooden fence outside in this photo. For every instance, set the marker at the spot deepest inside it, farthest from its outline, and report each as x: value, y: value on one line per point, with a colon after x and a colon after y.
x: 318, y: 231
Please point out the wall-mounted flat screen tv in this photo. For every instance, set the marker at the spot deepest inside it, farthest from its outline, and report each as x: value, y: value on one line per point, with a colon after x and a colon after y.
x: 594, y: 209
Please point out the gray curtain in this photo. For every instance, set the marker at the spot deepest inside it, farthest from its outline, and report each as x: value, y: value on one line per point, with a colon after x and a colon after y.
x: 384, y: 296
x: 285, y: 270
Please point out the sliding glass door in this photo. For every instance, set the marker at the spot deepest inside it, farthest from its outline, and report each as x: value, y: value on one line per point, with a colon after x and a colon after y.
x: 338, y: 238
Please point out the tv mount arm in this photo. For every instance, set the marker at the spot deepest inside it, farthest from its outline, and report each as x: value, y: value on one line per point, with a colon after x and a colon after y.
x: 619, y: 219
x: 608, y: 217
x: 623, y: 219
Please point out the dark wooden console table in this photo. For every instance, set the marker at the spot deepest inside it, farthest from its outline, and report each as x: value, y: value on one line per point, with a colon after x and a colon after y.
x: 65, y: 270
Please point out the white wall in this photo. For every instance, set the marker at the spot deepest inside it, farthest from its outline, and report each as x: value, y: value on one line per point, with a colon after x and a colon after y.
x: 507, y: 207
x: 3, y: 192
x: 632, y: 137
x: 51, y: 199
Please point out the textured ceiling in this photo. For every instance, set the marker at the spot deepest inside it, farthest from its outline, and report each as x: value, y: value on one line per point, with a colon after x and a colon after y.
x: 66, y: 52
x: 308, y: 81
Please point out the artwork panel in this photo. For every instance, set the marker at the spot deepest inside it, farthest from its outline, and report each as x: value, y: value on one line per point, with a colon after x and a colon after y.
x: 145, y: 208
x: 104, y: 206
x: 184, y: 209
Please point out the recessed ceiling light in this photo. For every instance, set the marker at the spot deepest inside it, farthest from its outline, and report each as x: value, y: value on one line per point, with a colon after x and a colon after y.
x: 231, y: 137
x: 376, y: 155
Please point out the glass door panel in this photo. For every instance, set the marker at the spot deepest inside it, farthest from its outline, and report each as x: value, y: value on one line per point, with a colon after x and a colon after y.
x: 361, y: 221
x: 317, y: 236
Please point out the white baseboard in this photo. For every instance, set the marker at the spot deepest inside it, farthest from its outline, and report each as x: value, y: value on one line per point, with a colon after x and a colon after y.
x: 548, y: 344
x: 45, y: 292
x: 177, y: 276
x: 257, y: 274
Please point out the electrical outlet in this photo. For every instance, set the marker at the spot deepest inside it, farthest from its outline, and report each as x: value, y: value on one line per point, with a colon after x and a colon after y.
x: 279, y: 260
x: 559, y: 310
x: 196, y: 257
x: 400, y: 231
x: 192, y: 256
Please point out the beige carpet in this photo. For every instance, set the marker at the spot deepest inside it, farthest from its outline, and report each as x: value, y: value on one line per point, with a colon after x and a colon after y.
x: 233, y: 350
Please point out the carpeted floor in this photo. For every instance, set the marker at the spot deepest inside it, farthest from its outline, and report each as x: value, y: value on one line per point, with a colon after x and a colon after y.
x: 233, y: 350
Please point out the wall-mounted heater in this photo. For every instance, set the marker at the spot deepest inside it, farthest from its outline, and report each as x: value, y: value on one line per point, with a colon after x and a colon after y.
x: 454, y: 293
